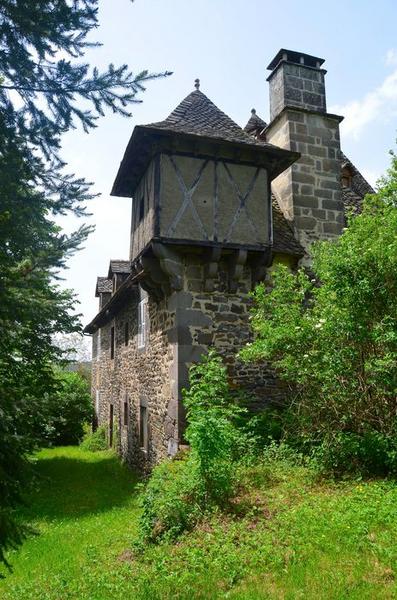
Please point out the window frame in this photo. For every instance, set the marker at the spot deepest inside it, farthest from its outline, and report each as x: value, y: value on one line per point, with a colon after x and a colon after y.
x: 126, y: 411
x: 143, y: 425
x: 98, y: 345
x: 142, y: 337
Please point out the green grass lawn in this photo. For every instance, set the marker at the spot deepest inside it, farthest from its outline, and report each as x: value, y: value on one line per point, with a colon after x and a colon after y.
x: 287, y: 537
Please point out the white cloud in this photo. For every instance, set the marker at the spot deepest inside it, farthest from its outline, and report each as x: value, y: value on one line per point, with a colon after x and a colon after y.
x: 381, y: 103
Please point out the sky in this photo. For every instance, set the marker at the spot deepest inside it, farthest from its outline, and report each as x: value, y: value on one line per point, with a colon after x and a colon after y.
x: 228, y: 45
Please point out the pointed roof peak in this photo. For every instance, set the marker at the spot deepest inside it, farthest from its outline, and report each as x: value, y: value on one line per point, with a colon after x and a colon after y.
x: 198, y: 115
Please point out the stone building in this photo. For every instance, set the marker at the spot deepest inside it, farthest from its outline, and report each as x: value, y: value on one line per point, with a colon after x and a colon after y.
x: 213, y: 207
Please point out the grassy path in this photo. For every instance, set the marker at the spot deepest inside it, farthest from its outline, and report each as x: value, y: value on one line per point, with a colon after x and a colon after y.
x: 85, y: 515
x: 289, y: 538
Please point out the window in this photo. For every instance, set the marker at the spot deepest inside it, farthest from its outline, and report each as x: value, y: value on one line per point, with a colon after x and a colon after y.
x: 111, y: 425
x: 98, y: 344
x: 126, y: 334
x: 112, y: 342
x: 347, y: 176
x: 143, y: 425
x: 125, y: 411
x: 142, y: 323
x: 141, y: 208
x: 97, y: 403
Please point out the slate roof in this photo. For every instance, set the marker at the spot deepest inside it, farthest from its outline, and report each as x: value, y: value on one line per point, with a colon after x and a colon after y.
x: 284, y: 240
x: 255, y: 125
x: 119, y: 266
x: 198, y: 115
x: 353, y: 196
x: 103, y: 285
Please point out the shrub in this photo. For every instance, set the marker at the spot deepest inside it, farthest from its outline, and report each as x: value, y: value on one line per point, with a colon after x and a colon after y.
x: 67, y: 409
x: 336, y: 343
x: 179, y: 491
x: 95, y: 441
x: 170, y: 502
x: 214, y: 439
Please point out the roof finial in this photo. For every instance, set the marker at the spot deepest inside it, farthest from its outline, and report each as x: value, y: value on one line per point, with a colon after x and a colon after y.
x: 197, y: 84
x: 253, y: 111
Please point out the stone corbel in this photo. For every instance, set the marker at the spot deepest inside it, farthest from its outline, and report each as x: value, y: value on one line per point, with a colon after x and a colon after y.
x: 155, y: 281
x: 211, y: 267
x: 236, y: 268
x: 170, y: 263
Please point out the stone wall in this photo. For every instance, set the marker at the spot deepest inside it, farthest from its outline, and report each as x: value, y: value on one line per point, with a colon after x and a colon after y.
x: 183, y: 326
x: 220, y: 318
x: 309, y: 192
x: 134, y: 375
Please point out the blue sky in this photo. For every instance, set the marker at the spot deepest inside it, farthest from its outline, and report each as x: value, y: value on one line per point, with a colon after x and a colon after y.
x: 228, y: 44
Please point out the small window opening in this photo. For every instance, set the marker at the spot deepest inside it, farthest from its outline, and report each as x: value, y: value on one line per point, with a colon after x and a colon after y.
x: 111, y: 425
x: 98, y: 351
x: 112, y: 342
x: 126, y: 334
x: 143, y: 427
x: 347, y: 176
x: 125, y: 413
x: 142, y: 323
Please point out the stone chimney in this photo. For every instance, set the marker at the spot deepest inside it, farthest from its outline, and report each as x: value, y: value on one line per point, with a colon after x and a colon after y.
x: 309, y: 192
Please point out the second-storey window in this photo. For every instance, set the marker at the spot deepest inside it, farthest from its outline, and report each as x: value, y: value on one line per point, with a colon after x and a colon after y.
x: 98, y: 347
x: 142, y: 323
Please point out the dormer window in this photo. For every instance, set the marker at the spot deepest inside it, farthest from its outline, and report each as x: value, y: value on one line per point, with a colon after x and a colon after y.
x: 347, y: 176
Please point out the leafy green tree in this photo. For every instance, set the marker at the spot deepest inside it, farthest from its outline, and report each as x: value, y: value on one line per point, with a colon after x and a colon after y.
x: 41, y: 97
x: 68, y: 409
x: 335, y: 341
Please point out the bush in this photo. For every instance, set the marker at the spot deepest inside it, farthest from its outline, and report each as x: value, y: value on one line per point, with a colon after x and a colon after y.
x: 68, y: 409
x: 95, y: 441
x: 170, y: 501
x: 336, y: 343
x: 215, y: 441
x: 370, y: 453
x: 179, y: 491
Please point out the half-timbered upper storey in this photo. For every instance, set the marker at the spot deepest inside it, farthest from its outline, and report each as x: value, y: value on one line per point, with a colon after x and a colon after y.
x: 199, y: 178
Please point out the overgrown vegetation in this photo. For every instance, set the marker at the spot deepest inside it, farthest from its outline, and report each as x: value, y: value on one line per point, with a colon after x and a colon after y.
x: 180, y: 491
x: 68, y: 410
x: 95, y: 441
x: 286, y: 535
x: 333, y: 337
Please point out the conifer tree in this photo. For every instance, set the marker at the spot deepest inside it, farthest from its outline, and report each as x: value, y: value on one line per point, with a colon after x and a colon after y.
x: 41, y: 98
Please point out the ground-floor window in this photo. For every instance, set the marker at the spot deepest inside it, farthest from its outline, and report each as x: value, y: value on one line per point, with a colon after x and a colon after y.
x: 111, y: 425
x: 97, y: 403
x: 143, y: 425
x: 125, y: 410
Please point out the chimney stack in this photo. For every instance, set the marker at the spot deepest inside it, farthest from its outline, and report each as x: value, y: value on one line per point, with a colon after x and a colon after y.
x: 309, y: 192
